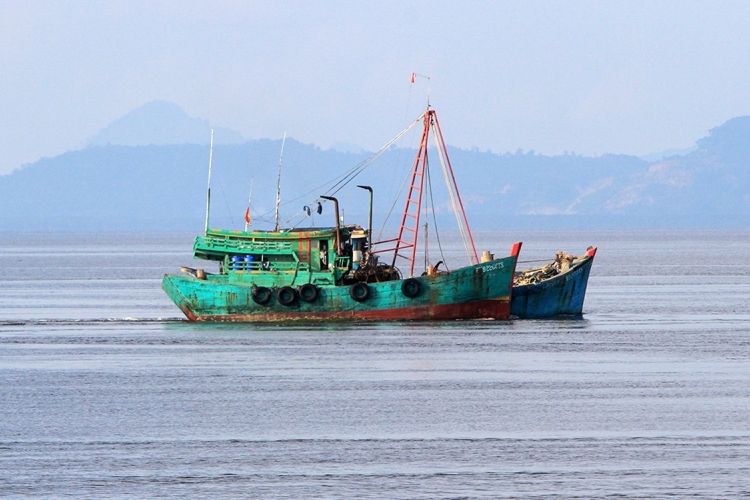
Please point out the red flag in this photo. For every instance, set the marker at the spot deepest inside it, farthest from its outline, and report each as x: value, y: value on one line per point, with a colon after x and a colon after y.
x: 247, y: 215
x: 413, y: 77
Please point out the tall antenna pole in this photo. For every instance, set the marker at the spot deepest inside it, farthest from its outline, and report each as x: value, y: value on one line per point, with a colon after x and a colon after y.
x: 208, y: 190
x: 249, y: 200
x: 429, y: 84
x: 278, y: 183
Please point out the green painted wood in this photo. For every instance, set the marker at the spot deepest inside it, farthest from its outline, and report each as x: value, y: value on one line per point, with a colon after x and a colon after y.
x: 227, y: 295
x: 217, y: 243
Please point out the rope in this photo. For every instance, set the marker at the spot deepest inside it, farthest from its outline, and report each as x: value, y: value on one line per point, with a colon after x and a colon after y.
x: 349, y: 176
x: 365, y: 163
x: 452, y: 195
x: 434, y: 218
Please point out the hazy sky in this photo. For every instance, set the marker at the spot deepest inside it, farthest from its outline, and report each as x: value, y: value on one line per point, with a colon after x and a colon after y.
x: 591, y: 77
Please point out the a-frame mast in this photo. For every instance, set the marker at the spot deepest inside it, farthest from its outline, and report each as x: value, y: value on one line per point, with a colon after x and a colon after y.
x: 452, y: 185
x: 408, y: 233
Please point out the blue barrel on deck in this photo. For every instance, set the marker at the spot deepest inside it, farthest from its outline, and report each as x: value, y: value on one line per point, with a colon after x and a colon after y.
x: 236, y: 262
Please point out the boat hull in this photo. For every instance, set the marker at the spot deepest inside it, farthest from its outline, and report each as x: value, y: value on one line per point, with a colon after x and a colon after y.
x: 481, y: 291
x: 561, y: 295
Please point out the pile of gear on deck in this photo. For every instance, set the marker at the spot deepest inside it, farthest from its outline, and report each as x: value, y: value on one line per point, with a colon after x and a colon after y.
x: 561, y: 264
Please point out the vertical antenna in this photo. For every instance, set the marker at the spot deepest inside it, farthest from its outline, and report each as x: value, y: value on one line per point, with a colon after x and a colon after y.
x: 249, y: 200
x: 208, y: 190
x: 278, y: 182
x: 429, y: 84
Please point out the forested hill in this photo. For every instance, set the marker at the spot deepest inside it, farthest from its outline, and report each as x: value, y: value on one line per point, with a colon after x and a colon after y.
x: 162, y: 187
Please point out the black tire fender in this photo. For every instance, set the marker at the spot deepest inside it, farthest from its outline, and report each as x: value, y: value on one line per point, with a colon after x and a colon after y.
x: 261, y: 295
x: 309, y: 292
x: 359, y: 291
x: 286, y: 295
x: 411, y: 287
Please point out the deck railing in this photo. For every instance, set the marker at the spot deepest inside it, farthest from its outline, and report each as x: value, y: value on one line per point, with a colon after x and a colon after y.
x: 265, y: 265
x: 228, y: 243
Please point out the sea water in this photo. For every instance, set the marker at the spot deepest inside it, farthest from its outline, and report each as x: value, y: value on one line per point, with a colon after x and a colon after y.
x: 105, y: 391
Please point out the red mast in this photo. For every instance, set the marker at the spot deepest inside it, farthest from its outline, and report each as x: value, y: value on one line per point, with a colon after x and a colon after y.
x: 451, y: 181
x: 408, y: 233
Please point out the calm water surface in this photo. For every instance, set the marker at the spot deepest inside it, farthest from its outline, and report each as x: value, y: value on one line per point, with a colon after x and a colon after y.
x: 106, y: 392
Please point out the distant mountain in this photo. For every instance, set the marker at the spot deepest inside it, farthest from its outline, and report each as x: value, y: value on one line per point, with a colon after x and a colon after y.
x: 667, y: 153
x: 161, y: 122
x: 162, y: 187
x: 345, y: 147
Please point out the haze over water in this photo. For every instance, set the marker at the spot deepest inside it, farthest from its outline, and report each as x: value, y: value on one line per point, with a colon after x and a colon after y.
x: 107, y: 392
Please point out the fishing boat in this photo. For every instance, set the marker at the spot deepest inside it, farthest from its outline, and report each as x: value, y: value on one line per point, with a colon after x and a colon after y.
x: 555, y: 289
x: 337, y: 272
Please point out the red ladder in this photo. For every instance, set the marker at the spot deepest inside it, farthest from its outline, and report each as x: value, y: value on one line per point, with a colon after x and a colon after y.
x: 409, y: 234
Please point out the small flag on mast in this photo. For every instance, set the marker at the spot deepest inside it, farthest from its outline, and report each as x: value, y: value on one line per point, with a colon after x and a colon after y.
x: 247, y: 215
x: 413, y: 77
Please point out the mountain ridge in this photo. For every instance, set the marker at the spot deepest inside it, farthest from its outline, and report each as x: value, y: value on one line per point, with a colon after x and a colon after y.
x: 162, y: 186
x: 161, y: 123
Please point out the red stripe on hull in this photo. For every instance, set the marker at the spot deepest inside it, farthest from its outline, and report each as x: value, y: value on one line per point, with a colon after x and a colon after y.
x: 498, y: 309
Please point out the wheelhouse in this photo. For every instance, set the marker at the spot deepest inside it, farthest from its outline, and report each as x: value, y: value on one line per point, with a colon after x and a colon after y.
x: 311, y: 255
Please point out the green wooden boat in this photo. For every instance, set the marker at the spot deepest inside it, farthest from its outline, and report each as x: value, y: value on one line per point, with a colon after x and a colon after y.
x: 299, y: 275
x: 335, y: 273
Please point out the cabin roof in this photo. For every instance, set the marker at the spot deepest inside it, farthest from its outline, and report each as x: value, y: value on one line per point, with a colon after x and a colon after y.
x: 284, y: 233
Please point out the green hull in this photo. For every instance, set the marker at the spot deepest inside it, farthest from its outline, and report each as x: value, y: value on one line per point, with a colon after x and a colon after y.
x: 478, y: 291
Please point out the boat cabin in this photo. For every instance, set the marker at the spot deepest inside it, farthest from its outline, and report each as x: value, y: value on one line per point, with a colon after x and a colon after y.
x: 320, y: 255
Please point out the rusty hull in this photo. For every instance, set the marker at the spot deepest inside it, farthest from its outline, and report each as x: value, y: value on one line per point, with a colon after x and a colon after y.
x: 473, y: 292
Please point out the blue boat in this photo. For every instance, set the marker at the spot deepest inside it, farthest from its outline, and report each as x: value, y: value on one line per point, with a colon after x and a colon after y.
x: 556, y: 289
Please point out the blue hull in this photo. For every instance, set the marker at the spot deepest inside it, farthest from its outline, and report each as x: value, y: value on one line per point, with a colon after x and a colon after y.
x: 560, y: 295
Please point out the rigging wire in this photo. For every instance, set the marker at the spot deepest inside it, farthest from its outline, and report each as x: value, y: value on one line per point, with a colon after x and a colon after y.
x: 434, y: 218
x: 365, y: 163
x: 345, y: 178
x: 426, y: 251
x: 461, y: 229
